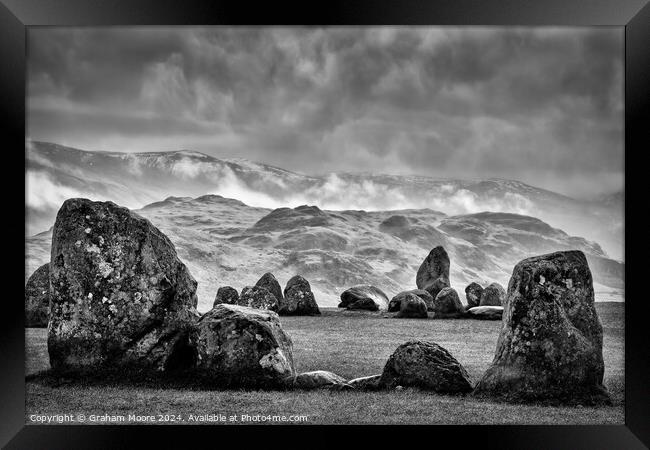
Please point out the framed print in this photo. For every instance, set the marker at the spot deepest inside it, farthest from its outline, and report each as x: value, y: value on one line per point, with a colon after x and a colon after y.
x: 357, y: 216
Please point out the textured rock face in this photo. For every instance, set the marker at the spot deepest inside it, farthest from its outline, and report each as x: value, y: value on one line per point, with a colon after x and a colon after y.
x: 227, y: 295
x: 269, y: 282
x: 37, y: 298
x: 393, y: 305
x: 425, y: 365
x: 119, y: 297
x: 319, y: 379
x: 550, y: 346
x: 493, y: 295
x: 447, y: 304
x: 242, y: 347
x: 364, y: 297
x: 473, y: 293
x: 433, y: 274
x: 485, y: 312
x: 258, y: 297
x: 298, y: 299
x: 412, y: 307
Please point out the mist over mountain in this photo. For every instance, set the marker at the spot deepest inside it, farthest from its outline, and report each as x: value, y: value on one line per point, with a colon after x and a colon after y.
x: 233, y: 220
x: 56, y: 173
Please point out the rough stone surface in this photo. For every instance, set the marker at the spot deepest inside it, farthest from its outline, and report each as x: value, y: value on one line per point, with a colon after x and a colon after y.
x: 485, y: 312
x: 550, y: 345
x: 119, y: 295
x: 412, y: 307
x: 298, y: 299
x: 394, y: 304
x: 493, y: 295
x: 433, y: 274
x: 237, y: 346
x: 370, y: 383
x: 258, y: 297
x: 473, y: 293
x: 37, y: 298
x: 227, y: 295
x: 425, y: 365
x: 269, y: 282
x: 319, y: 379
x: 447, y: 304
x: 364, y: 296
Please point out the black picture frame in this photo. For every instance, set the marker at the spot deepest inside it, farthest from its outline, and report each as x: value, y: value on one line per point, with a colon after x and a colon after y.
x: 634, y: 15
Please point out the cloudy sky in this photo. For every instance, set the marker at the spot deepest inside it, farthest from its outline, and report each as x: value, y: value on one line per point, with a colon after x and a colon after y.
x: 540, y: 105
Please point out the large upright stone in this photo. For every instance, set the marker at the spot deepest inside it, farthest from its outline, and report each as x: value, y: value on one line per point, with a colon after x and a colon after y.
x: 37, y: 298
x: 271, y: 284
x: 433, y: 274
x: 237, y: 346
x: 550, y: 346
x: 298, y: 299
x: 120, y: 297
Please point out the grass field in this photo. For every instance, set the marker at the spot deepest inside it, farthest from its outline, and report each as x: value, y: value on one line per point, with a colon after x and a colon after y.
x: 351, y: 344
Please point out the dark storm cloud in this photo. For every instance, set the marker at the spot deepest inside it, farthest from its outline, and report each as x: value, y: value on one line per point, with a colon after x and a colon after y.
x: 543, y: 105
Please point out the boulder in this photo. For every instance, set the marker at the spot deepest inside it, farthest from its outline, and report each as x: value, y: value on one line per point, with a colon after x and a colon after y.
x: 394, y: 304
x: 412, y: 307
x: 433, y: 274
x: 473, y: 293
x: 364, y: 296
x: 227, y: 295
x: 425, y: 365
x: 258, y: 297
x: 493, y: 295
x: 298, y: 299
x: 37, y: 298
x: 485, y: 312
x: 370, y: 383
x: 119, y: 295
x: 319, y: 379
x: 269, y: 282
x: 550, y: 345
x: 237, y: 346
x: 447, y: 304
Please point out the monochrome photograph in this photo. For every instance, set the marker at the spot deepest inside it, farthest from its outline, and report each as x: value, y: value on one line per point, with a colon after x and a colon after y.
x: 231, y: 225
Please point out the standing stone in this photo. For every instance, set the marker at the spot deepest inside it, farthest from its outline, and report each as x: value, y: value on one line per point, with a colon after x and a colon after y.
x: 298, y: 299
x: 412, y: 307
x: 364, y: 296
x: 425, y: 365
x: 433, y: 274
x: 37, y: 298
x: 237, y: 346
x: 119, y: 297
x: 550, y: 345
x: 493, y: 295
x: 394, y: 304
x: 269, y: 282
x: 227, y: 295
x: 447, y: 304
x: 258, y: 297
x: 473, y: 293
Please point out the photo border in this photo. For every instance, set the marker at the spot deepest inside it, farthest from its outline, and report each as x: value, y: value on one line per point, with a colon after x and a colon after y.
x: 634, y: 15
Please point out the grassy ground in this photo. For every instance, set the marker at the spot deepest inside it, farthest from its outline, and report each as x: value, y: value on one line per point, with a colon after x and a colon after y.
x: 351, y: 344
